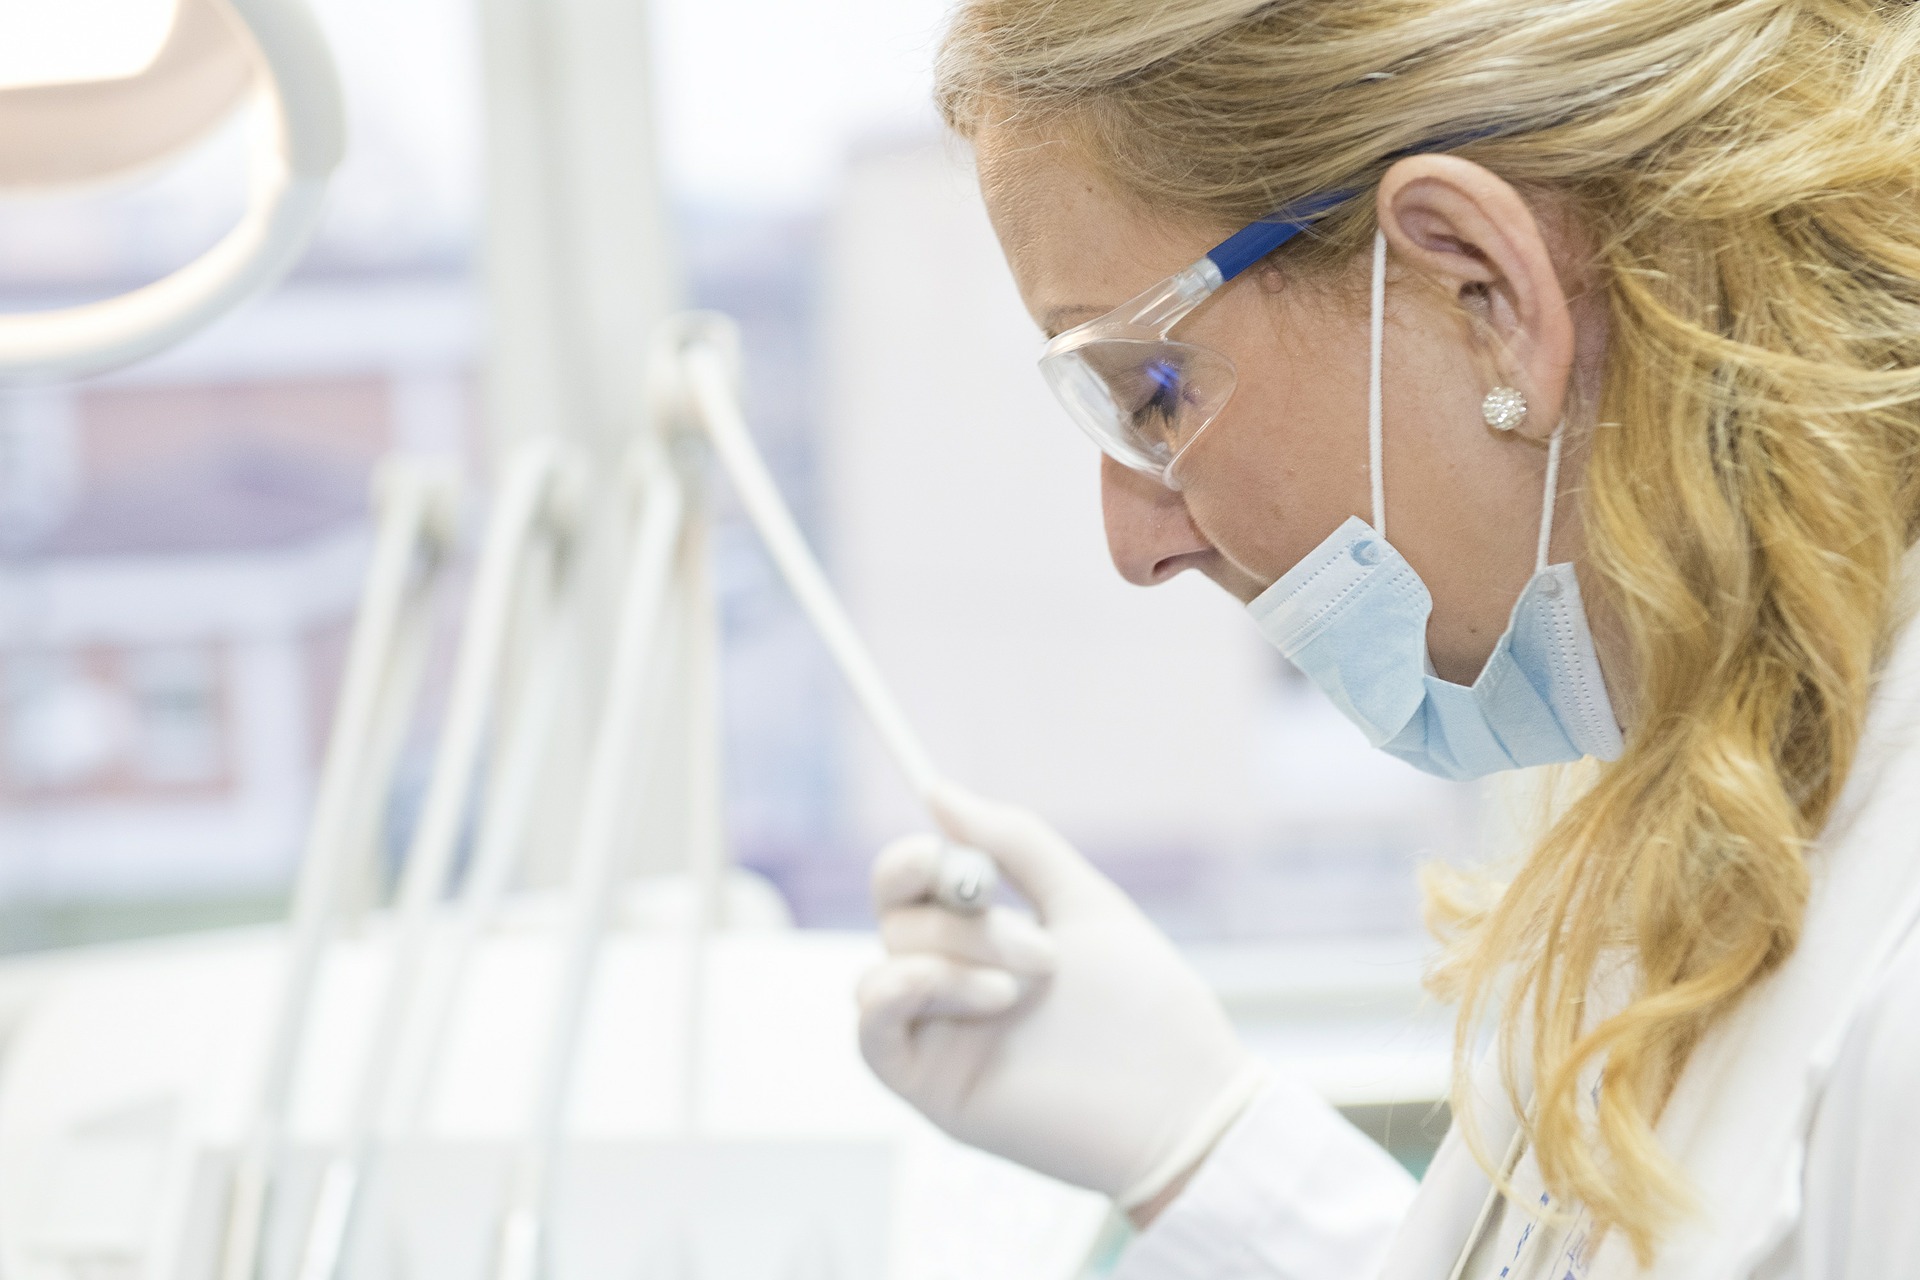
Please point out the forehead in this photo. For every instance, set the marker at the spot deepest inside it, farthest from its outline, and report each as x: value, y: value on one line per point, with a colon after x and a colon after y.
x: 1077, y: 247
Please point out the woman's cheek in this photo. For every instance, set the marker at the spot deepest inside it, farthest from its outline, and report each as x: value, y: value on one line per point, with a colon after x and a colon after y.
x: 1263, y: 513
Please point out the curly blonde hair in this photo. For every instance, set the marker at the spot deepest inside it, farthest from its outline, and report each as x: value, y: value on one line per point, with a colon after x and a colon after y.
x: 1748, y: 172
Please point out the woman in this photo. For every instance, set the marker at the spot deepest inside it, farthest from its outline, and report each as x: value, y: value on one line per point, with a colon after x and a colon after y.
x: 1607, y: 314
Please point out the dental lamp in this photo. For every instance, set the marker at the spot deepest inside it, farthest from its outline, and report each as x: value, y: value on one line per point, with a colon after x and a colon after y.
x: 219, y: 56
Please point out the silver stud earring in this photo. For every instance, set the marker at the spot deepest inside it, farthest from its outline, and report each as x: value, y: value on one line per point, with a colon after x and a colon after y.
x: 1504, y: 408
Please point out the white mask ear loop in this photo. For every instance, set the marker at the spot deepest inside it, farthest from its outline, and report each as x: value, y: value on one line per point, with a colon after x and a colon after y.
x: 1376, y: 468
x: 1375, y: 462
x: 1546, y: 503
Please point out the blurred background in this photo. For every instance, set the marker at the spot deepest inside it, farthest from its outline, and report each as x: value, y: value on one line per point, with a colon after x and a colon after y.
x: 181, y: 543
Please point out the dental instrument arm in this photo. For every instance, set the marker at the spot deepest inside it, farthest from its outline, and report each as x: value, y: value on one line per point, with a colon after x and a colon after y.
x: 416, y: 523
x: 538, y: 496
x: 501, y: 838
x: 619, y: 755
x: 965, y: 879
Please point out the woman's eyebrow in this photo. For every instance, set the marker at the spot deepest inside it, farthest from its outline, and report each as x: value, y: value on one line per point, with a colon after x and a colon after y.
x: 1059, y: 319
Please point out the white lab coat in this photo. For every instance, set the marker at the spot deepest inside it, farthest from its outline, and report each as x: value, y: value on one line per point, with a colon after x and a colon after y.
x: 1797, y: 1120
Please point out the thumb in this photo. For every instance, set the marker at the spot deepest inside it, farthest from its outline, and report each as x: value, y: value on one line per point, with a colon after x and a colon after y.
x: 1039, y: 862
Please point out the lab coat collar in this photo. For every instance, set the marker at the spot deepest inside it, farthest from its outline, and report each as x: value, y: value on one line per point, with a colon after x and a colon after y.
x: 1739, y: 1120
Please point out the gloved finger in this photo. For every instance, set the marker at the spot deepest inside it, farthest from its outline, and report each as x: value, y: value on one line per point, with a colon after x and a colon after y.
x: 910, y: 988
x: 897, y: 994
x: 1000, y: 939
x: 1041, y: 864
x: 906, y: 871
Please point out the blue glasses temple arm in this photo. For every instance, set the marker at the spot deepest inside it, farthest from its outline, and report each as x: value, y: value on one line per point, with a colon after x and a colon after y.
x: 1256, y: 240
x: 1253, y: 242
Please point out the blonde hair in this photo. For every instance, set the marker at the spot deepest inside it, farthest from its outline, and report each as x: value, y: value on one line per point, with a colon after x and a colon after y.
x: 1747, y: 171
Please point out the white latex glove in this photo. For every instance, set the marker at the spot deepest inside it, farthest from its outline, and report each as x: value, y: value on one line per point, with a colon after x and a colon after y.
x: 1083, y: 1047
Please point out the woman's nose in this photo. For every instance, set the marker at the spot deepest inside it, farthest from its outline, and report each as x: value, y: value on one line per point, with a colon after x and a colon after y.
x: 1150, y: 534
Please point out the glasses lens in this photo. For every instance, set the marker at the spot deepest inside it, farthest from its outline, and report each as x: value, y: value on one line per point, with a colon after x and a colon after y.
x: 1144, y: 403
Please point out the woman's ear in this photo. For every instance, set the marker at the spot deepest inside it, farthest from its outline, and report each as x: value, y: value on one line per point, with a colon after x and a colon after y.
x: 1468, y: 231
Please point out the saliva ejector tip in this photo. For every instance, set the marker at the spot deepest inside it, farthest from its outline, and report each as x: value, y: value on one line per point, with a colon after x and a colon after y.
x: 966, y: 880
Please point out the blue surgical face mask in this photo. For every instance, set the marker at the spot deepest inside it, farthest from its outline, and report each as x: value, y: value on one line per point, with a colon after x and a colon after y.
x: 1353, y: 617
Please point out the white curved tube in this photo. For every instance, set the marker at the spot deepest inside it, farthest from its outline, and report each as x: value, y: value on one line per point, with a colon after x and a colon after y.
x: 524, y: 509
x: 967, y: 878
x: 710, y: 386
x: 416, y: 523
x: 618, y: 745
x: 291, y: 166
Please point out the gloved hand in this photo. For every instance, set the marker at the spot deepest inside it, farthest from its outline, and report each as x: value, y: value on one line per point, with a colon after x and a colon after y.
x: 1082, y: 1046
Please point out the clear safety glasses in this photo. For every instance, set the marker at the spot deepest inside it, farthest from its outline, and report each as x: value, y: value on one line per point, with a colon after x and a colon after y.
x: 1141, y: 396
